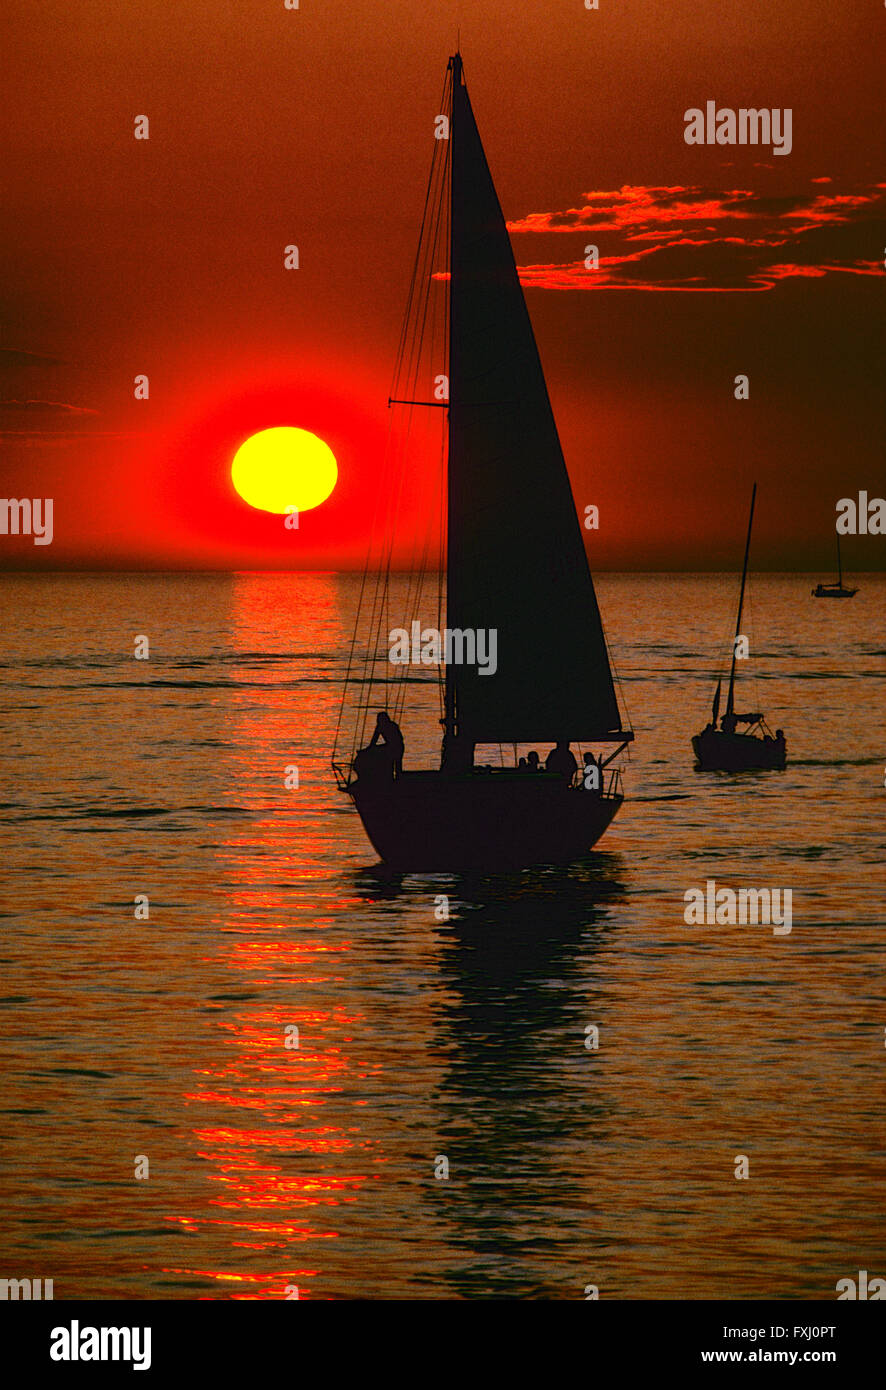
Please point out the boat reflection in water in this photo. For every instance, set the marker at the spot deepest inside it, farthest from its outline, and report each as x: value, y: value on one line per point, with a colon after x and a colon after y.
x: 518, y: 1109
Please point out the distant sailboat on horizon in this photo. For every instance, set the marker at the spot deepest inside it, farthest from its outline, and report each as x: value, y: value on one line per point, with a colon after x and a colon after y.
x: 837, y: 590
x: 724, y: 749
x: 514, y: 563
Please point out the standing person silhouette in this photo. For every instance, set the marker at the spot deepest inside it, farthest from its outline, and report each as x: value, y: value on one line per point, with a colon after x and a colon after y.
x: 457, y: 753
x: 387, y: 730
x: 561, y: 760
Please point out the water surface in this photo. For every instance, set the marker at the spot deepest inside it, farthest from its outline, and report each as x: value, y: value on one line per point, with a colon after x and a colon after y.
x: 272, y: 1167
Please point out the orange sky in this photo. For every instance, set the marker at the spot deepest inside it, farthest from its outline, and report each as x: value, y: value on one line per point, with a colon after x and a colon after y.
x: 314, y: 126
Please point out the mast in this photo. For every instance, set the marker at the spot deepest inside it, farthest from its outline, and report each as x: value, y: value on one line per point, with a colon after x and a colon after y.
x: 839, y: 563
x: 730, y: 700
x: 449, y: 703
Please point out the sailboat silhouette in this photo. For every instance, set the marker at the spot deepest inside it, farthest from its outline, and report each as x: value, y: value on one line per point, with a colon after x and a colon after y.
x: 725, y: 749
x: 837, y: 590
x: 515, y: 564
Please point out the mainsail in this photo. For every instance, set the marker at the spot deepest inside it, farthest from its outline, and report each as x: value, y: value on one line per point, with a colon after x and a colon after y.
x: 516, y: 558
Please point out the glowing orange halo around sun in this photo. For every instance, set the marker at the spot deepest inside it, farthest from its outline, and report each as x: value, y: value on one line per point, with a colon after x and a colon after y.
x: 282, y: 468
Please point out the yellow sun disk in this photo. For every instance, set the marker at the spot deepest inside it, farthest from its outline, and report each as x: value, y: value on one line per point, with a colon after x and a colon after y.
x: 284, y: 467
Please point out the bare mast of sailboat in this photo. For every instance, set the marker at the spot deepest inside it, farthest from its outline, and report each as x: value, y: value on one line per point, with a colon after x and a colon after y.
x: 730, y: 698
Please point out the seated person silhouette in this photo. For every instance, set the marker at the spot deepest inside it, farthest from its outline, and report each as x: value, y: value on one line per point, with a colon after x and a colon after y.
x: 728, y: 723
x: 533, y: 761
x: 385, y: 762
x: 561, y: 760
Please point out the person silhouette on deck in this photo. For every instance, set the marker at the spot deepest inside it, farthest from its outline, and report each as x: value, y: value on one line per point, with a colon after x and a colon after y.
x: 457, y: 753
x: 387, y: 730
x: 592, y: 776
x: 561, y: 760
x: 533, y: 761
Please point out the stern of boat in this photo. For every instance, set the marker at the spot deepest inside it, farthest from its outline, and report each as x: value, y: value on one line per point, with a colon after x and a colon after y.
x: 431, y: 821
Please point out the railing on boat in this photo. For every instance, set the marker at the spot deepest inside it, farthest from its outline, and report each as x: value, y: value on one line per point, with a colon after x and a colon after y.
x: 612, y: 788
x: 344, y: 776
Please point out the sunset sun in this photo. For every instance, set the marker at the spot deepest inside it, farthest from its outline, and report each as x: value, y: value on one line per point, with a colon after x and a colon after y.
x: 284, y: 467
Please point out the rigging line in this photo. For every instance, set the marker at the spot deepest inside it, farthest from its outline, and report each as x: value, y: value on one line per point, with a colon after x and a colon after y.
x: 420, y: 319
x: 382, y: 503
x: 430, y: 244
x: 381, y: 599
x: 360, y: 602
x: 423, y: 563
x: 728, y: 641
x: 439, y: 564
x: 442, y: 559
x: 441, y: 567
x: 441, y: 477
x: 417, y: 366
x: 408, y: 362
x: 415, y: 582
x: 421, y: 327
x: 389, y: 550
x: 400, y: 349
x: 378, y: 595
x: 381, y: 592
x: 428, y: 260
x: 430, y: 330
x: 427, y: 331
x: 363, y: 585
x: 384, y: 589
x: 751, y: 626
x: 420, y: 338
x: 407, y: 365
x: 415, y: 591
x: 379, y: 608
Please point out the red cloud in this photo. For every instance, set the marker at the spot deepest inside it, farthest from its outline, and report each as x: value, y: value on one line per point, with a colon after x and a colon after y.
x: 741, y: 240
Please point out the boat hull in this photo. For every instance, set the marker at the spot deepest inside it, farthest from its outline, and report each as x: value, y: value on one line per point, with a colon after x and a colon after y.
x: 717, y: 751
x: 430, y: 821
x: 824, y: 591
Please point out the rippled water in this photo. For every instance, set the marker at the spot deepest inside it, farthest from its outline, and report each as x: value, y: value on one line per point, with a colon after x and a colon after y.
x: 273, y: 1166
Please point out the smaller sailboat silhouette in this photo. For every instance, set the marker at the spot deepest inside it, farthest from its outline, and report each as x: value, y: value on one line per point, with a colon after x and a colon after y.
x: 837, y: 590
x: 724, y: 749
